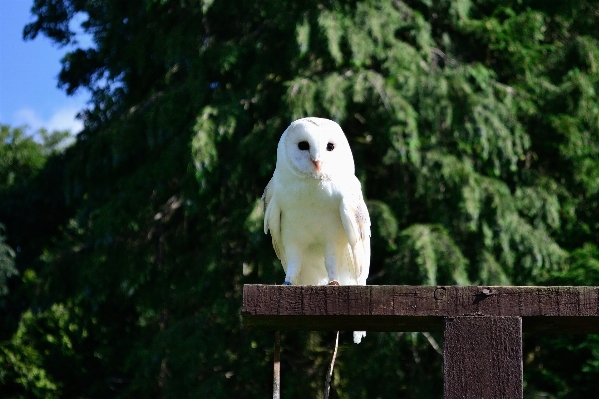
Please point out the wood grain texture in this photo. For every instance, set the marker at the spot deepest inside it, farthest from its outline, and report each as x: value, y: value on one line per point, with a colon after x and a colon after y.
x: 482, y: 357
x: 417, y: 308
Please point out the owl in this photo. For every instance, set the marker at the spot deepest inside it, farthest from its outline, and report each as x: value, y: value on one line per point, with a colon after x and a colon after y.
x: 314, y: 209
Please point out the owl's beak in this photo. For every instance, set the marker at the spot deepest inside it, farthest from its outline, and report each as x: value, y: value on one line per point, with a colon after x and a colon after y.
x: 316, y: 163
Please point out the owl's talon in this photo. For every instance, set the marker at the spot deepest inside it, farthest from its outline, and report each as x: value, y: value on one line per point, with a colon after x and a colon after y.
x: 286, y: 283
x: 334, y: 282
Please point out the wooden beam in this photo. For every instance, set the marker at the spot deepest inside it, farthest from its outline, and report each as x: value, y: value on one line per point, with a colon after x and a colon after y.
x: 482, y: 357
x: 417, y: 308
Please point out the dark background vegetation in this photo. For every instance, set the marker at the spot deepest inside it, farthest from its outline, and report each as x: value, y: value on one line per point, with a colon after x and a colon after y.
x: 475, y: 129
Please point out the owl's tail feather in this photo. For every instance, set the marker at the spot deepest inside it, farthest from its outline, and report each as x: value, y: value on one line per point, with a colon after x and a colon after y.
x: 358, y: 335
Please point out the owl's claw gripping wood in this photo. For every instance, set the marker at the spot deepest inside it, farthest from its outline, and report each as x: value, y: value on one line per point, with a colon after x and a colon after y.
x: 334, y: 282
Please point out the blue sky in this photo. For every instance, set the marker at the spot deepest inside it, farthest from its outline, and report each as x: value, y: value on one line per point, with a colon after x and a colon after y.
x: 28, y: 76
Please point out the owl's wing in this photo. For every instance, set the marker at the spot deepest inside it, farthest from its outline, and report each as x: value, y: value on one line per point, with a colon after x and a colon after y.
x: 356, y: 223
x: 272, y: 220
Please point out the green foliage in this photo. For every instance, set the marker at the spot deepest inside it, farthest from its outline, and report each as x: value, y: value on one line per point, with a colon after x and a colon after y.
x: 23, y: 374
x: 7, y: 263
x: 22, y: 155
x: 474, y: 126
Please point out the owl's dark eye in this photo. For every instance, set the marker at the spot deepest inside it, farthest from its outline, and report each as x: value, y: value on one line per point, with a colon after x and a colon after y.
x: 330, y: 147
x: 303, y: 145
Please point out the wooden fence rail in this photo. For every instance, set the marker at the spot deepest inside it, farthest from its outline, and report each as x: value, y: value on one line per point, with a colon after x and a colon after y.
x: 482, y: 326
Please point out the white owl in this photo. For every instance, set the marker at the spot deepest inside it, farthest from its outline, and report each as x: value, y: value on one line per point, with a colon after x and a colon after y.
x: 314, y: 208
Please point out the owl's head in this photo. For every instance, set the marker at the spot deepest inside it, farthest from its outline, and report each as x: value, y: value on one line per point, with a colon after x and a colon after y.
x: 316, y: 148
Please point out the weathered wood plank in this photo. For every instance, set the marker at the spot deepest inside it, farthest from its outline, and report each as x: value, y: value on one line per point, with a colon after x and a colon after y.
x: 417, y: 308
x: 482, y: 357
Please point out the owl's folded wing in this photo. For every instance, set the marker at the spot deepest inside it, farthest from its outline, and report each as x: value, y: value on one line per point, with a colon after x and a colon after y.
x: 272, y: 220
x: 356, y: 223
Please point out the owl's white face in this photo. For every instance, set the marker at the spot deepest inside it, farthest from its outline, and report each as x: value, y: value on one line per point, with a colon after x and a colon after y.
x: 316, y: 148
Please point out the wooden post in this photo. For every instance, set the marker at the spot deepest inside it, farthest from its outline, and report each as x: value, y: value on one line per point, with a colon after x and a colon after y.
x: 482, y: 357
x: 482, y: 325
